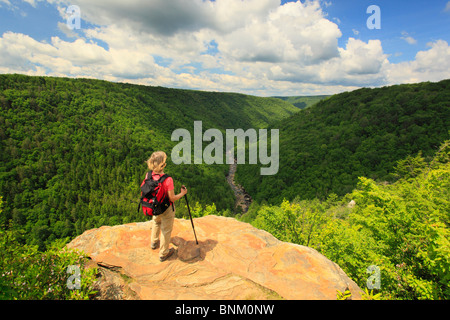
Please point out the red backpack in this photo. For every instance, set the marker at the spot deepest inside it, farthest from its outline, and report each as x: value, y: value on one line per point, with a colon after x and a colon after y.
x: 154, y: 200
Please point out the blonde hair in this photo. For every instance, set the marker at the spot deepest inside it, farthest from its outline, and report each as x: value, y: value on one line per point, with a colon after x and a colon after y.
x: 157, y: 161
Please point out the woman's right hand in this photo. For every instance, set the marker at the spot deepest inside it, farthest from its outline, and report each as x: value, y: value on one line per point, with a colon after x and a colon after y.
x: 183, y: 190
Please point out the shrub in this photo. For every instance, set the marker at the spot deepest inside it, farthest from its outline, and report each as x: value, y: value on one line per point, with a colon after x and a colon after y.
x: 29, y: 274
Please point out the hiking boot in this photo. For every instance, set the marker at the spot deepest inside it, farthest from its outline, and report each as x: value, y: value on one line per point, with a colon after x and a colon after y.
x: 171, y: 251
x: 155, y: 245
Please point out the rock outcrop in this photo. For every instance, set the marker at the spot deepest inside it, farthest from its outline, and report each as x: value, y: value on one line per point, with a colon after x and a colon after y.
x: 233, y: 261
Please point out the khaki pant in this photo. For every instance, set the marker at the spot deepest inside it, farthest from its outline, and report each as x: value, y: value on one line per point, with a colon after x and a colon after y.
x: 163, y: 224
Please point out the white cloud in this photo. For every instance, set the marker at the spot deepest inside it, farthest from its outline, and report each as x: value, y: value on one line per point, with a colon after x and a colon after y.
x: 358, y: 64
x: 430, y: 65
x: 166, y: 18
x: 18, y: 52
x: 66, y: 30
x: 262, y: 48
x: 5, y: 2
x: 78, y: 58
x: 408, y: 38
x: 8, y: 5
x: 293, y: 32
x: 447, y: 7
x: 31, y: 2
x: 360, y: 58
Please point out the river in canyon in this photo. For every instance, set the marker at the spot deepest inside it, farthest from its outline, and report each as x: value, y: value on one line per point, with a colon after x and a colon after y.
x: 243, y: 199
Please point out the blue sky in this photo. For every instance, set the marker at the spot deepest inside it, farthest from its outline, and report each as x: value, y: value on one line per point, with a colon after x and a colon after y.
x: 260, y: 47
x: 424, y: 21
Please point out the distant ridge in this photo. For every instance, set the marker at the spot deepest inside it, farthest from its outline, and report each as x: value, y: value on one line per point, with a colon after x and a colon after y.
x: 303, y: 102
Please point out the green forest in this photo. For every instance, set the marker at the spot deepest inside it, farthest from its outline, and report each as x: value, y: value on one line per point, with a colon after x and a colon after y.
x: 73, y: 152
x: 324, y: 149
x: 401, y: 228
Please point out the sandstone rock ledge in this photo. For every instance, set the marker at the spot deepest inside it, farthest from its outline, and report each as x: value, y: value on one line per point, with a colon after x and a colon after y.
x: 233, y: 261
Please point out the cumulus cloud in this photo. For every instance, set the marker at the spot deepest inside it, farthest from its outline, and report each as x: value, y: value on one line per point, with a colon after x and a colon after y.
x: 430, y: 65
x: 79, y: 58
x: 357, y: 64
x: 294, y: 32
x: 66, y: 30
x: 360, y: 58
x: 251, y: 46
x: 166, y: 18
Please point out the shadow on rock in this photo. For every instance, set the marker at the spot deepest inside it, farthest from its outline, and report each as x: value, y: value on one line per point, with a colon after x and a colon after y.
x: 189, y: 251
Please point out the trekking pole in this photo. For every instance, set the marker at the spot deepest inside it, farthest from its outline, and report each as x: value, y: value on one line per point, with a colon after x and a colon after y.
x: 190, y: 216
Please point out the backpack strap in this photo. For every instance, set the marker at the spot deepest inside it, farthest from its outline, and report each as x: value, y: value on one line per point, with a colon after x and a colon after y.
x: 162, y: 178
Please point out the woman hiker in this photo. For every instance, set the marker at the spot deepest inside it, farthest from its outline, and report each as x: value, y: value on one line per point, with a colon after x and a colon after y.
x: 163, y: 224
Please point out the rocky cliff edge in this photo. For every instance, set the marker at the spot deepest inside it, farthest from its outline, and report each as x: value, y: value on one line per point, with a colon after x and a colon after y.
x: 233, y: 261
